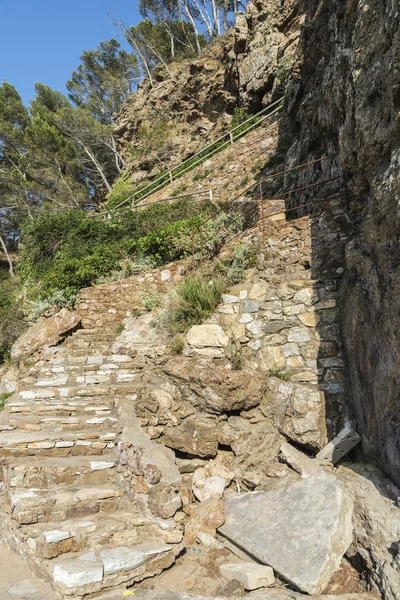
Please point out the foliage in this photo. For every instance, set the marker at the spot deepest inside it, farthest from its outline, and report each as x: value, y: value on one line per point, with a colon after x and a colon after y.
x: 234, y: 268
x: 3, y: 398
x: 103, y: 80
x: 195, y: 299
x: 280, y: 374
x: 150, y: 300
x: 177, y: 344
x: 121, y: 190
x: 11, y: 318
x: 283, y: 71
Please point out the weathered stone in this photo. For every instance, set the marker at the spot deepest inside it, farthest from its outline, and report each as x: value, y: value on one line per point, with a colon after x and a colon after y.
x: 121, y: 559
x: 207, y: 336
x: 301, y: 531
x: 73, y: 573
x: 376, y: 525
x: 300, y: 462
x: 299, y: 335
x: 196, y: 435
x: 258, y: 291
x: 164, y: 500
x: 215, y: 388
x: 270, y: 357
x: 250, y: 574
x: 24, y: 588
x: 249, y: 306
x: 46, y: 332
x: 204, y: 517
x: 298, y: 412
x: 211, y: 481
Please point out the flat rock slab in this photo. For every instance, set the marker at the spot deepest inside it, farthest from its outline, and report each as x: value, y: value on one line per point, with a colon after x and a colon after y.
x: 264, y: 594
x: 23, y: 588
x: 301, y: 531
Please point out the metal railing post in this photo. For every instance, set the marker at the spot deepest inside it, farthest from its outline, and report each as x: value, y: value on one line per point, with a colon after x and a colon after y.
x: 231, y: 137
x: 170, y: 176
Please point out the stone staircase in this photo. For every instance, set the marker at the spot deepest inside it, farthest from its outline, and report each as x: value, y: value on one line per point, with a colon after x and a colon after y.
x: 64, y: 504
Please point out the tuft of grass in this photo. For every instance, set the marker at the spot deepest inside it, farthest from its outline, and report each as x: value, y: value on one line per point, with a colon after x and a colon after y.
x: 194, y: 301
x: 176, y: 345
x: 3, y: 398
x: 280, y: 374
x: 235, y: 268
x: 120, y: 328
x: 150, y: 300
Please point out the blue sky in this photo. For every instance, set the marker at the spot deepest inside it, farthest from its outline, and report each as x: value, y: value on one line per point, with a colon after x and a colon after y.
x: 41, y: 40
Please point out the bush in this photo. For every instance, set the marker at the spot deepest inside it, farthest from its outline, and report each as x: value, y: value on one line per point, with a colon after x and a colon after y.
x: 121, y: 190
x: 195, y: 299
x: 234, y: 268
x: 11, y: 318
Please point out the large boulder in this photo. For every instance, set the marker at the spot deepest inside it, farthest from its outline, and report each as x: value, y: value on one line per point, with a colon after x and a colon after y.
x: 196, y: 435
x: 298, y: 412
x: 376, y: 523
x: 216, y: 388
x: 46, y: 332
x: 301, y: 531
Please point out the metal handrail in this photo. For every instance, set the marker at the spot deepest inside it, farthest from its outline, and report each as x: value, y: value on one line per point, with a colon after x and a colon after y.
x: 231, y: 140
x: 259, y: 183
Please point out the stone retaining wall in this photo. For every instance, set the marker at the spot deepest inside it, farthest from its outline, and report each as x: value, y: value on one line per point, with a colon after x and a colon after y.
x: 228, y: 172
x: 109, y: 303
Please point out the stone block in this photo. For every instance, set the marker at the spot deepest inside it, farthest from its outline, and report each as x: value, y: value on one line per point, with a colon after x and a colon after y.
x: 345, y: 441
x: 249, y: 306
x: 301, y: 463
x: 251, y: 575
x: 73, y: 573
x: 301, y: 531
x: 121, y: 559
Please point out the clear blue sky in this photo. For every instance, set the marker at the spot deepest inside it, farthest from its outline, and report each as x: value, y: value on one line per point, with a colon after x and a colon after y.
x: 42, y: 40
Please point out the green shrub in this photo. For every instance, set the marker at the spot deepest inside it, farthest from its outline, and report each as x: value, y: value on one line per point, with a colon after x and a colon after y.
x: 150, y: 300
x: 234, y: 268
x: 240, y: 115
x: 280, y: 374
x: 3, y: 398
x: 121, y: 190
x: 194, y: 300
x: 12, y: 322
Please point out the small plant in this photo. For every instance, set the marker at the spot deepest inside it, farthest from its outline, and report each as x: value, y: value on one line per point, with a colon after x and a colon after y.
x: 236, y: 356
x: 240, y: 115
x: 283, y: 71
x: 3, y: 398
x: 150, y: 300
x: 195, y: 300
x: 280, y: 374
x: 234, y: 268
x: 120, y: 328
x: 135, y: 312
x: 176, y: 346
x: 245, y: 180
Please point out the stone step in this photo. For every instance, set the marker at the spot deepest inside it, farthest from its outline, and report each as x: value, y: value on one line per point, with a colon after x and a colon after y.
x: 46, y: 472
x: 52, y: 539
x: 56, y: 424
x: 35, y: 505
x: 20, y: 443
x: 79, y: 391
x: 110, y: 377
x: 79, y: 574
x: 61, y: 407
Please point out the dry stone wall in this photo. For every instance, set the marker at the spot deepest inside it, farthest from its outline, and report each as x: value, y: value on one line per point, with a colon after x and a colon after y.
x: 229, y: 172
x: 109, y: 303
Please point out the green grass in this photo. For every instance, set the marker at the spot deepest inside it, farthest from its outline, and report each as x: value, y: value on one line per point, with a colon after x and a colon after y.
x: 194, y: 301
x: 280, y: 374
x: 3, y: 398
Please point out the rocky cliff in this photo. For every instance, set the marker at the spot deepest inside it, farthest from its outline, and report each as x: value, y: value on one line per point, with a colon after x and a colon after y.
x: 346, y: 101
x: 194, y: 100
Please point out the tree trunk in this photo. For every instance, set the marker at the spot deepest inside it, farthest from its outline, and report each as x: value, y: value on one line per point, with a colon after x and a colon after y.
x: 10, y: 265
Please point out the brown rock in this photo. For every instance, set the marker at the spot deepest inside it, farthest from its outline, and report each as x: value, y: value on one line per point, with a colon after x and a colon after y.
x: 215, y: 388
x: 205, y: 517
x: 197, y: 435
x: 46, y: 332
x: 164, y: 500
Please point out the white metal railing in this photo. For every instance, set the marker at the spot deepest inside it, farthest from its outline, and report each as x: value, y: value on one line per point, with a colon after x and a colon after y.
x: 168, y: 177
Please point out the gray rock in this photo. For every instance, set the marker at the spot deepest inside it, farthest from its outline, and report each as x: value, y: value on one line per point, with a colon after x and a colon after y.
x: 73, y: 573
x: 23, y: 588
x: 301, y: 531
x: 121, y: 559
x: 249, y: 306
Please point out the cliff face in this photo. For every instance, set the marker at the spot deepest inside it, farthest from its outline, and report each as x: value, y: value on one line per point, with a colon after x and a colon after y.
x: 194, y: 101
x: 347, y: 100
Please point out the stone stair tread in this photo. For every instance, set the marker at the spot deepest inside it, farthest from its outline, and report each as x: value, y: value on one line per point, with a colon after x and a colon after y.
x: 57, y: 461
x: 21, y: 437
x: 65, y: 495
